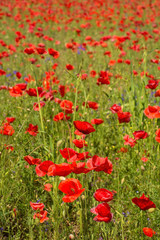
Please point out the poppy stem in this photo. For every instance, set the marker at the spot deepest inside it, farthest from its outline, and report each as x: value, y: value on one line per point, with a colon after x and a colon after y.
x: 141, y: 225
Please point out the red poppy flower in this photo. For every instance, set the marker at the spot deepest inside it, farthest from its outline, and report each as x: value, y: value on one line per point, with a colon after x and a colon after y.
x: 103, y: 195
x: 116, y: 108
x: 10, y: 119
x: 29, y: 50
x: 42, y: 215
x: 69, y: 67
x: 78, y: 133
x: 31, y: 160
x: 69, y: 154
x: 9, y: 147
x: 158, y: 135
x: 62, y: 90
x: 102, y: 212
x: 124, y: 117
x: 53, y: 53
x: 40, y: 50
x: 15, y: 91
x: 47, y: 187
x: 6, y: 129
x: 93, y: 73
x: 140, y: 134
x: 36, y: 105
x: 60, y: 116
x: 66, y: 106
x: 33, y: 92
x: 84, y: 127
x: 97, y: 121
x: 72, y: 188
x: 80, y: 167
x: 104, y: 78
x: 22, y: 86
x: 157, y: 94
x: 43, y: 168
x: 37, y: 206
x: 152, y: 112
x: 83, y: 156
x: 152, y: 84
x: 90, y: 104
x: 79, y: 143
x: 18, y: 75
x: 63, y: 169
x: 149, y: 232
x: 129, y: 141
x: 98, y: 164
x: 32, y: 129
x: 2, y: 72
x: 144, y: 159
x: 143, y: 202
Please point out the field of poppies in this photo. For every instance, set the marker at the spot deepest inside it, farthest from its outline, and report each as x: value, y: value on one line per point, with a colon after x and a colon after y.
x: 80, y: 119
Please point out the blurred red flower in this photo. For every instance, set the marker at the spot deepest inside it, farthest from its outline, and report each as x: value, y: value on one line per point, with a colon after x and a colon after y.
x: 152, y: 112
x: 103, y: 195
x: 84, y: 127
x: 6, y: 129
x: 116, y: 108
x: 79, y: 143
x: 72, y: 188
x: 124, y: 117
x: 140, y: 134
x: 102, y: 212
x: 149, y: 232
x: 32, y: 129
x: 143, y: 202
x: 43, y: 168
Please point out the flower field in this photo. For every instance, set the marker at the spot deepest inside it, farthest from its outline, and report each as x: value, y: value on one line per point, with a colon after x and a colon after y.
x: 80, y: 119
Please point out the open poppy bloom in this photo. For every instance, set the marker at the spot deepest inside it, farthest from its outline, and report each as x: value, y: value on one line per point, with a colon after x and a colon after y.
x: 6, y: 129
x: 53, y: 53
x: 32, y: 129
x: 104, y: 78
x: 158, y: 135
x: 152, y: 84
x: 42, y: 216
x: 102, y: 212
x: 62, y: 169
x: 84, y: 127
x: 97, y: 121
x: 69, y: 154
x: 129, y: 141
x: 36, y: 105
x: 148, y: 232
x: 47, y: 187
x: 124, y: 117
x: 80, y: 167
x: 140, y: 134
x: 116, y: 108
x: 72, y: 188
x: 98, y: 164
x: 69, y: 67
x: 66, y: 106
x: 79, y: 143
x: 152, y: 112
x: 143, y: 202
x: 60, y: 116
x: 103, y: 195
x: 90, y: 104
x: 42, y: 168
x: 10, y: 119
x: 15, y: 91
x: 37, y: 206
x: 32, y: 160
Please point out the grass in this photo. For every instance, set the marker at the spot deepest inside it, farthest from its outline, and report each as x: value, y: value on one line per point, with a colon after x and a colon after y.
x: 19, y: 183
